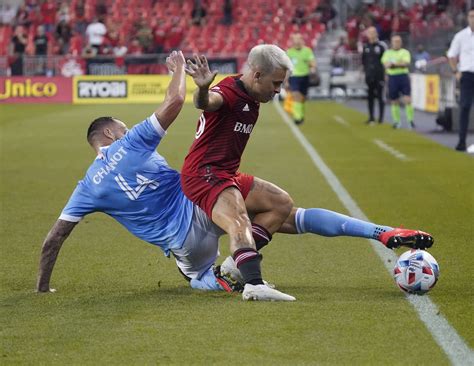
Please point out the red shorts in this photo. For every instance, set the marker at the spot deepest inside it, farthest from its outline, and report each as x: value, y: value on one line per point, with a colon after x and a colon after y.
x: 204, y: 191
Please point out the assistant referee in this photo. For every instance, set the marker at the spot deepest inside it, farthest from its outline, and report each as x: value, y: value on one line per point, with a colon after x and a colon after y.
x: 396, y: 62
x: 462, y: 51
x: 374, y: 73
x: 304, y: 64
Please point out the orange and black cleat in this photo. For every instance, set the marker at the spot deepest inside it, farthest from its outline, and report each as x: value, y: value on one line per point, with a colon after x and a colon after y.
x: 400, y: 237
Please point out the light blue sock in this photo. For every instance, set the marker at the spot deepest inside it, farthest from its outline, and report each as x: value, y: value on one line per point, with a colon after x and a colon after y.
x: 330, y: 223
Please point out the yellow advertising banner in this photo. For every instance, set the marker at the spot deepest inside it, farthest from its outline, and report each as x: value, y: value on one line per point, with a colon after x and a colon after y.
x: 432, y: 93
x: 91, y: 89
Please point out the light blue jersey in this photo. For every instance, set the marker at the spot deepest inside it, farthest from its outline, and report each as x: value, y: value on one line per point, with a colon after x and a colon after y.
x: 132, y: 183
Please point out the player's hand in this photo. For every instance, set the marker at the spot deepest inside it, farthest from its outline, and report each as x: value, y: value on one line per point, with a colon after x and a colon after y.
x: 175, y: 60
x: 458, y: 76
x: 199, y: 71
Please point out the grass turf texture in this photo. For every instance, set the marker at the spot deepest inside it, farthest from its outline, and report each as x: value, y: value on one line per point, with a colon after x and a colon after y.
x: 120, y: 301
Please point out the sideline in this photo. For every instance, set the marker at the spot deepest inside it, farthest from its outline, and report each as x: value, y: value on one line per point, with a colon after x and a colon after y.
x: 391, y: 150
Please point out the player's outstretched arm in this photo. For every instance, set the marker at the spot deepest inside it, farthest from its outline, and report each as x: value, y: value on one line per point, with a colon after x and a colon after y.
x: 176, y: 92
x: 51, y: 246
x: 203, y: 77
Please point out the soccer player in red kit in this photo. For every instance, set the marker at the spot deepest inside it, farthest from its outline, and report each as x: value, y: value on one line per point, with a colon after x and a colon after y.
x: 210, y: 176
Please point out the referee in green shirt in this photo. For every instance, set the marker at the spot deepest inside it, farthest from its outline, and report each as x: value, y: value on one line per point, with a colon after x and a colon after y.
x: 396, y: 62
x: 304, y: 64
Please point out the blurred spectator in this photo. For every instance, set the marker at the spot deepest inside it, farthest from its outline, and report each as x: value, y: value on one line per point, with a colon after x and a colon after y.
x: 80, y: 23
x: 199, y: 13
x: 17, y: 50
x: 111, y: 40
x: 401, y: 23
x: 41, y: 49
x: 445, y: 21
x: 63, y: 36
x: 75, y: 47
x: 135, y: 48
x: 299, y: 17
x: 375, y: 12
x: 144, y: 35
x: 227, y: 10
x: 120, y: 50
x: 352, y: 28
x: 101, y: 9
x: 63, y: 14
x: 341, y: 53
x: 386, y: 25
x: 23, y: 17
x: 441, y: 6
x: 48, y: 15
x: 95, y: 33
x: 159, y: 37
x: 325, y: 12
x: 421, y: 54
x: 41, y: 42
x: 7, y: 14
x: 174, y: 37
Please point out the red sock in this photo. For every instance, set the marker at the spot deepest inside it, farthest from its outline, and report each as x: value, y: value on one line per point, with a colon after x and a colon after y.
x: 247, y: 261
x: 261, y: 236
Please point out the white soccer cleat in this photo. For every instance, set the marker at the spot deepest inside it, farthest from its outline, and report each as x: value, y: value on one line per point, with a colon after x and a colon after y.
x: 229, y: 269
x: 271, y: 285
x: 264, y: 293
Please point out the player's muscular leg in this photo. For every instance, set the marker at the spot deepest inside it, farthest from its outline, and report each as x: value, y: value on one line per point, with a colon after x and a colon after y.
x: 270, y: 204
x: 289, y: 226
x: 230, y: 214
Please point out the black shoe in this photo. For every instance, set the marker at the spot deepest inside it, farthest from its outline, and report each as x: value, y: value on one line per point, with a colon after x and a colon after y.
x: 461, y: 146
x: 412, y: 125
x: 298, y: 121
x: 400, y: 237
x: 380, y: 121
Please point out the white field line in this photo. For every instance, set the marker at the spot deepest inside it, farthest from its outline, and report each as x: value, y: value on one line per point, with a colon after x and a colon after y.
x: 391, y: 150
x: 341, y: 120
x: 458, y: 352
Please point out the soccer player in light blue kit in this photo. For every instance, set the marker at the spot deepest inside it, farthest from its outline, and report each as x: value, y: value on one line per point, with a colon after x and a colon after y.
x: 131, y: 182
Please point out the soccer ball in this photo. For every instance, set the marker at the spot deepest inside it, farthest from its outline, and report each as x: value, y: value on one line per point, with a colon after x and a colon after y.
x: 416, y: 272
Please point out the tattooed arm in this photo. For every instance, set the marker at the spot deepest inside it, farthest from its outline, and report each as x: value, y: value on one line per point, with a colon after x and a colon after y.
x: 51, y: 246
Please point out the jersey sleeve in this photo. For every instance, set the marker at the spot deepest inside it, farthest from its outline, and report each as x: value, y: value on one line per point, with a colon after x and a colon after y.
x: 145, y: 135
x: 79, y: 205
x: 309, y: 54
x: 455, y: 48
x: 226, y: 93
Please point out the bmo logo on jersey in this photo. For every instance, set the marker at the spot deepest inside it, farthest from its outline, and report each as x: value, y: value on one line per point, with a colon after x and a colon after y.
x: 243, y: 128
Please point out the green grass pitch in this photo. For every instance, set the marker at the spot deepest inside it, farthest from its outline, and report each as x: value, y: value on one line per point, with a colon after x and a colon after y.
x: 120, y: 301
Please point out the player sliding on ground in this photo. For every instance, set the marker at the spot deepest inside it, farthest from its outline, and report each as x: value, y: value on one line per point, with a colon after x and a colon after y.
x: 210, y: 176
x: 133, y: 184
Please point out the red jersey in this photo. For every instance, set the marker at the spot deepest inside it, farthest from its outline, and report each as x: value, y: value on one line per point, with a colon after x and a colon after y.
x: 221, y: 136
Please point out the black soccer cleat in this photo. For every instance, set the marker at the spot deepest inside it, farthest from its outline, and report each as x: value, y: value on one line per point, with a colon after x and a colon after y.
x: 399, y: 237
